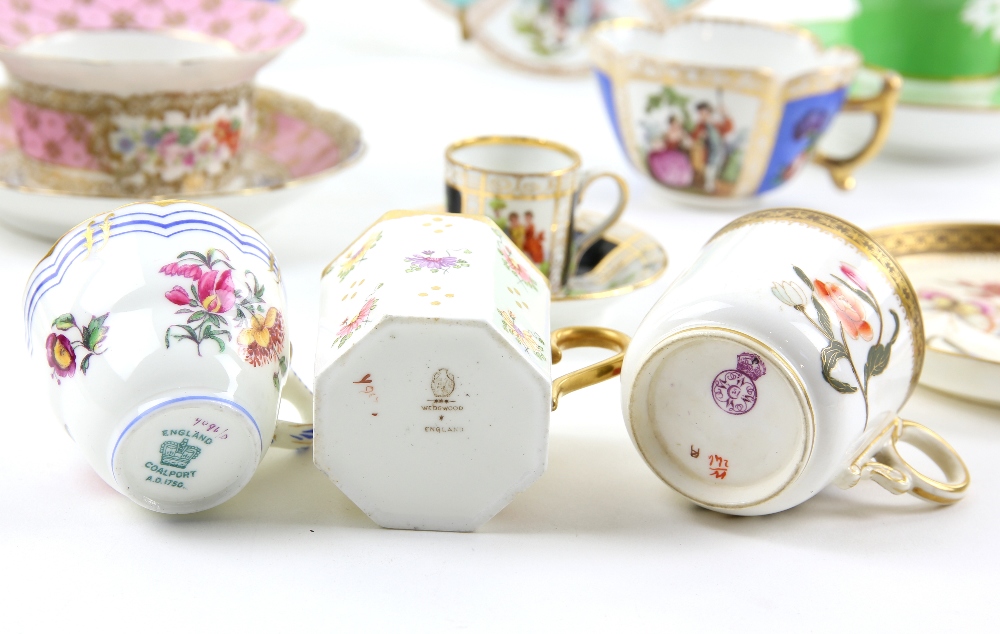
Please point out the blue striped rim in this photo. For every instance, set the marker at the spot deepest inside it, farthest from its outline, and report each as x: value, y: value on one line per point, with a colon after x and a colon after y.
x: 173, y: 401
x: 73, y: 246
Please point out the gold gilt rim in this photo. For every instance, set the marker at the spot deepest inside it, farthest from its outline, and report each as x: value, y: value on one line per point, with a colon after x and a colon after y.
x: 937, y: 238
x: 328, y: 121
x: 409, y: 213
x: 513, y: 140
x: 868, y: 246
x: 811, y: 38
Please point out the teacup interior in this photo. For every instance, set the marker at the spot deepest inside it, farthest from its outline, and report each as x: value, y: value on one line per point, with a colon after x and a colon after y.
x: 786, y: 53
x: 515, y: 157
x: 128, y: 46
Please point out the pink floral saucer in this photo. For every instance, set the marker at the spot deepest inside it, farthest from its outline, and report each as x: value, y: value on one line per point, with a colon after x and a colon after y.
x: 296, y: 145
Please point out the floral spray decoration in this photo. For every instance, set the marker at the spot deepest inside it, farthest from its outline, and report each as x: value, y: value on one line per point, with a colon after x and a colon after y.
x: 212, y: 299
x: 849, y: 298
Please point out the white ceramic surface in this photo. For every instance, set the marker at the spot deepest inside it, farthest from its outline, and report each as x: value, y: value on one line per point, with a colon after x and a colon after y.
x: 433, y: 392
x: 162, y: 332
x: 775, y: 365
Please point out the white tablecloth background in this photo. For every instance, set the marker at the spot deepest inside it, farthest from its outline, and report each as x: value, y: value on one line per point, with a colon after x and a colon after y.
x: 598, y: 542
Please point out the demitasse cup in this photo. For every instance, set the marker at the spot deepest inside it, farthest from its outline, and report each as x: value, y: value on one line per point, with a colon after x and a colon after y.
x: 718, y: 111
x: 929, y: 39
x: 777, y: 364
x: 162, y: 330
x: 433, y: 365
x: 133, y: 98
x: 531, y: 189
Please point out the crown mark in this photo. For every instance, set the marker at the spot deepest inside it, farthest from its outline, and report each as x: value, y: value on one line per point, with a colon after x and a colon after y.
x: 750, y: 365
x: 173, y: 454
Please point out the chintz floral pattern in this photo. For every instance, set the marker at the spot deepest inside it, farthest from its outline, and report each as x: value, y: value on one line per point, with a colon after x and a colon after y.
x: 849, y: 298
x: 73, y: 343
x: 428, y: 261
x: 530, y: 340
x: 175, y: 146
x: 353, y: 259
x: 352, y: 324
x: 212, y: 299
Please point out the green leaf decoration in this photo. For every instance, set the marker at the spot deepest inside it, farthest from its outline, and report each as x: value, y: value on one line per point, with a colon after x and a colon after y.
x: 204, y: 260
x: 197, y: 316
x: 283, y: 365
x: 804, y: 277
x: 878, y: 355
x: 166, y: 338
x: 277, y: 384
x: 222, y: 344
x: 96, y: 332
x: 190, y: 331
x: 186, y: 134
x: 194, y: 295
x: 829, y: 356
x: 85, y: 335
x: 85, y: 364
x: 212, y: 317
x: 64, y: 322
x: 824, y: 319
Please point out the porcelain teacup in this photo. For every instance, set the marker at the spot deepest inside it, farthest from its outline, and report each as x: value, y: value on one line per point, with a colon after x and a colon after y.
x: 532, y: 189
x: 778, y: 364
x: 433, y: 386
x: 718, y: 111
x: 131, y: 98
x: 162, y: 331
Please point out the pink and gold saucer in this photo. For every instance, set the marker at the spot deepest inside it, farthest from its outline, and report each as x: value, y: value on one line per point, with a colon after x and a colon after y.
x: 296, y: 146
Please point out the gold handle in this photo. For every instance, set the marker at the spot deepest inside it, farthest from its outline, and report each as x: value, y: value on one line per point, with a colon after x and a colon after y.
x: 587, y: 337
x: 882, y: 107
x: 882, y: 463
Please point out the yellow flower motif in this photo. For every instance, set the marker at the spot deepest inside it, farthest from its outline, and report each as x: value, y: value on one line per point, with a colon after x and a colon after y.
x: 263, y: 339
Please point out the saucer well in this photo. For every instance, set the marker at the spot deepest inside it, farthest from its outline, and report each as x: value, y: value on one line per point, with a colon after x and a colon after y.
x: 296, y: 145
x: 547, y: 37
x: 623, y: 261
x: 955, y: 269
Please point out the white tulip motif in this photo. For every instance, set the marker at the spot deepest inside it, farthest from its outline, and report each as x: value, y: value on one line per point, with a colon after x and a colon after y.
x: 789, y: 293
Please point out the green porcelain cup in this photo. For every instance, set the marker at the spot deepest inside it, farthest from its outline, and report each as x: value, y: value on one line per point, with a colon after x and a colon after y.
x: 930, y: 39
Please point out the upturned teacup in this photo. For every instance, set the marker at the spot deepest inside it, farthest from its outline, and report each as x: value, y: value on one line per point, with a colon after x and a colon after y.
x: 719, y: 110
x: 433, y: 371
x: 162, y: 331
x: 777, y: 364
x: 132, y: 98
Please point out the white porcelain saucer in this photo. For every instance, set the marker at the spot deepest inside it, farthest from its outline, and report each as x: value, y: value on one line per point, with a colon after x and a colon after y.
x: 296, y: 145
x: 955, y: 269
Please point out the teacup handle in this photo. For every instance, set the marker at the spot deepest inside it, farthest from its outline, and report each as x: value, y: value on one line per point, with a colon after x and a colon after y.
x: 576, y: 250
x: 882, y: 106
x: 881, y: 463
x: 587, y: 337
x: 289, y: 435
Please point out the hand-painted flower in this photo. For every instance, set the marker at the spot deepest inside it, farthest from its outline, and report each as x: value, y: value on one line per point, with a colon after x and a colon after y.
x: 178, y: 296
x: 350, y: 325
x: 427, y: 261
x: 264, y: 339
x: 849, y: 309
x: 810, y: 125
x: 60, y: 355
x: 789, y: 293
x: 977, y: 314
x: 191, y: 271
x: 852, y: 274
x: 216, y: 292
x: 227, y: 135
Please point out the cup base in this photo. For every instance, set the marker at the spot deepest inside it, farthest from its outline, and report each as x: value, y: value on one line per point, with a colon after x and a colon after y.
x: 721, y: 418
x: 186, y: 454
